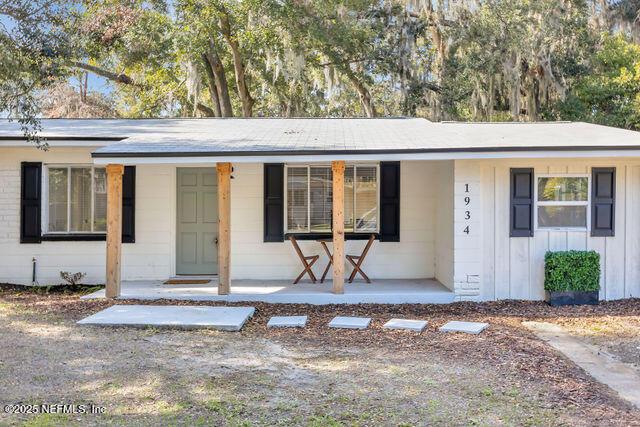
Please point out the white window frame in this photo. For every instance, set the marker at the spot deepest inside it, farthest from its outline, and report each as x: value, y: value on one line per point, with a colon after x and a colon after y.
x: 308, y: 166
x: 45, y: 198
x: 586, y: 203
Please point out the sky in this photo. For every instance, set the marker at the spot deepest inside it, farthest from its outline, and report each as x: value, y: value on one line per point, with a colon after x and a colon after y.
x: 95, y: 84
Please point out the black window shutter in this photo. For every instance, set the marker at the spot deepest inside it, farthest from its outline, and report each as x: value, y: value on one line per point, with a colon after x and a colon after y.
x: 390, y: 201
x: 274, y: 202
x: 30, y: 202
x: 603, y: 201
x: 521, y: 209
x: 129, y: 205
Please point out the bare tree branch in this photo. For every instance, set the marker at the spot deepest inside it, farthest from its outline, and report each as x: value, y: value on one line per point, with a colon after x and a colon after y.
x: 109, y: 75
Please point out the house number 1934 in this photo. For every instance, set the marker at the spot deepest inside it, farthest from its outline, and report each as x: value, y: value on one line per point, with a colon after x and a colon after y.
x: 467, y: 213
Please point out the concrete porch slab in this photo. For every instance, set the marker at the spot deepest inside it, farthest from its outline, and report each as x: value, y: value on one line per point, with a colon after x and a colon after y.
x: 406, y: 324
x: 344, y: 322
x: 287, y: 322
x: 466, y: 327
x: 380, y: 291
x: 176, y: 316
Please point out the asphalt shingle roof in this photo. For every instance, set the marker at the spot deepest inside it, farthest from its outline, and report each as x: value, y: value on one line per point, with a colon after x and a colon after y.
x: 174, y: 137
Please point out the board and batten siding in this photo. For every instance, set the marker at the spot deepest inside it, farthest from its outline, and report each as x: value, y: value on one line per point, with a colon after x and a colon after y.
x: 513, y: 267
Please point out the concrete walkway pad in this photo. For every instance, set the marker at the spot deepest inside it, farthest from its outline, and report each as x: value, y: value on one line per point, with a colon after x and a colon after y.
x: 177, y: 316
x: 467, y: 327
x: 287, y: 322
x: 622, y: 378
x: 410, y: 325
x: 343, y: 322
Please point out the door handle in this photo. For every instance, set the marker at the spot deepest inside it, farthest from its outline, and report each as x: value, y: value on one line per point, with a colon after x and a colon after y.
x: 215, y: 241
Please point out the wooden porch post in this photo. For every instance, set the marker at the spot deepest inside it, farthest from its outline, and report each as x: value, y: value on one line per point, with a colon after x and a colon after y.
x: 224, y: 227
x: 114, y: 229
x: 337, y: 168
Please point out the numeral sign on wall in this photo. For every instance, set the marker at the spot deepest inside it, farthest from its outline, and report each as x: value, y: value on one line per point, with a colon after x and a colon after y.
x: 467, y: 209
x: 467, y: 265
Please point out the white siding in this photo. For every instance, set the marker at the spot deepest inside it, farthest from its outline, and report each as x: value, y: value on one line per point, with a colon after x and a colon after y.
x: 153, y: 254
x: 413, y: 257
x: 514, y: 267
x: 444, y: 224
x: 467, y: 234
x: 151, y: 257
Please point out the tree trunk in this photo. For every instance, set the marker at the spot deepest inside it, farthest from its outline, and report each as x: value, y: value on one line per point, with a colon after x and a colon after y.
x: 213, y: 90
x: 365, y: 95
x: 208, y: 112
x: 436, y: 16
x: 241, y: 80
x: 84, y: 85
x: 217, y: 68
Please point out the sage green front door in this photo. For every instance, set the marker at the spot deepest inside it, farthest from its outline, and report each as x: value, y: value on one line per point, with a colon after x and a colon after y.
x: 197, y: 228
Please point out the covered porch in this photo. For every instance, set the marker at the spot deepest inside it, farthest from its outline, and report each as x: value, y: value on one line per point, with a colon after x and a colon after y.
x: 250, y: 247
x: 389, y: 291
x: 225, y: 209
x: 221, y: 232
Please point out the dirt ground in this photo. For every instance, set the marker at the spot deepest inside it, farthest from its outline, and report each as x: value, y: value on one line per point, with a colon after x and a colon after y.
x: 315, y: 376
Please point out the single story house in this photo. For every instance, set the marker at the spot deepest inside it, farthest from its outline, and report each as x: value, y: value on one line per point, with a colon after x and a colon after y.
x: 473, y: 206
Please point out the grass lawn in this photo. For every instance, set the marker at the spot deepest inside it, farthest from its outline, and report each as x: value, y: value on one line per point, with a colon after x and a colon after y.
x: 315, y: 376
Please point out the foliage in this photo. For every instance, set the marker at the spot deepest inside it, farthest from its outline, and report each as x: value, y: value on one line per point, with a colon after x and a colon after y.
x: 72, y: 279
x: 131, y: 43
x: 33, y: 47
x: 572, y: 271
x: 493, y: 60
x: 610, y: 93
x: 515, y: 56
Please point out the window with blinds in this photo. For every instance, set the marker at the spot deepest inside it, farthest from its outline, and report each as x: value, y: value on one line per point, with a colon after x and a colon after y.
x: 366, y: 199
x: 76, y: 199
x: 310, y: 199
x: 297, y: 199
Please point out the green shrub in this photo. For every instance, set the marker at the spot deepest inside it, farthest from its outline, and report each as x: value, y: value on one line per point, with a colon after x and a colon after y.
x: 572, y: 271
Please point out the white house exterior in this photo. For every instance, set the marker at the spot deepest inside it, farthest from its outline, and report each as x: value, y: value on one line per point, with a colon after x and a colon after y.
x: 457, y: 209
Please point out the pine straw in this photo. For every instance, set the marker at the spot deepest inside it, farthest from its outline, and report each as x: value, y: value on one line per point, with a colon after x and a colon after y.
x: 506, y: 346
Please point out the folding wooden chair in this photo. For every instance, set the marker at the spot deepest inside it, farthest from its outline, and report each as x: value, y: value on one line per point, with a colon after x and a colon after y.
x: 357, y: 260
x: 323, y: 243
x: 307, y: 261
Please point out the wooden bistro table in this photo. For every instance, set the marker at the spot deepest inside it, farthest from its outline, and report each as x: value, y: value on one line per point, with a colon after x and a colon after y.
x: 355, y: 260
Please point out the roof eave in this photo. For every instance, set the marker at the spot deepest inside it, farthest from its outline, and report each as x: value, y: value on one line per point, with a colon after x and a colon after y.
x: 395, y: 155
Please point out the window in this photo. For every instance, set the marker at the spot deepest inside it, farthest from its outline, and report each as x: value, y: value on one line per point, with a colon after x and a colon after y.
x: 309, y: 192
x: 562, y: 202
x: 76, y: 199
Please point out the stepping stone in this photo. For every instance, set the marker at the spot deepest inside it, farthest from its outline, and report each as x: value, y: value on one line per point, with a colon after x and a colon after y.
x: 467, y: 327
x: 344, y: 322
x: 406, y: 324
x: 287, y: 322
x: 176, y: 316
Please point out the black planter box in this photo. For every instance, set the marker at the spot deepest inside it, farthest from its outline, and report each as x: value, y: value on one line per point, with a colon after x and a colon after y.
x: 572, y: 298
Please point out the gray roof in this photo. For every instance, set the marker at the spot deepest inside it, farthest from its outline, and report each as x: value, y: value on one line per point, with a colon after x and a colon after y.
x: 267, y: 136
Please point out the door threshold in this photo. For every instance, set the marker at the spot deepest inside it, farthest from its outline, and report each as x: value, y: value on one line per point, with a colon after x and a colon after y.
x: 194, y: 276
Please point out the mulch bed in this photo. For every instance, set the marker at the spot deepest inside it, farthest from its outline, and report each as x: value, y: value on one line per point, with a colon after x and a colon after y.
x: 505, y: 346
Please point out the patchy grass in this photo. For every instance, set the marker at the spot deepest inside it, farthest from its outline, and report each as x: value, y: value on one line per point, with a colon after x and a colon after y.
x: 315, y: 376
